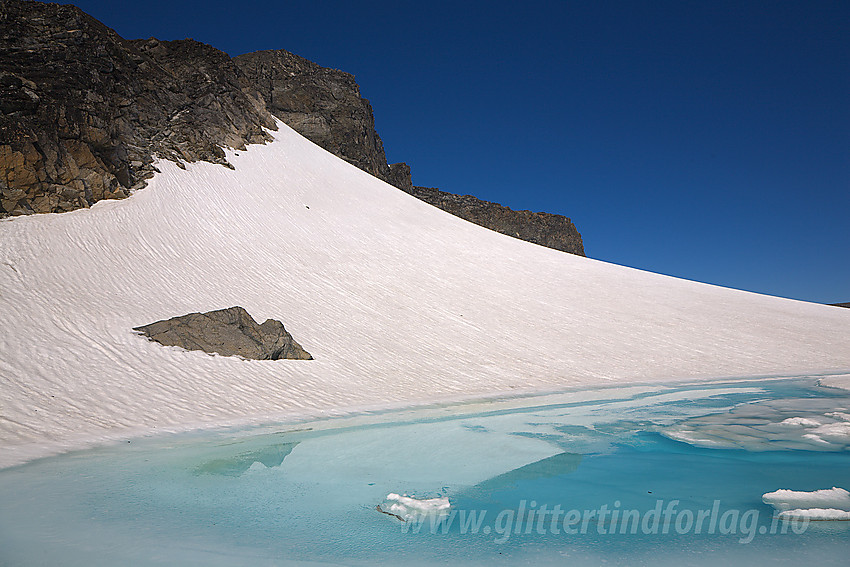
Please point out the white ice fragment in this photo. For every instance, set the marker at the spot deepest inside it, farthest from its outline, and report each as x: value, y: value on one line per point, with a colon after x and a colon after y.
x: 801, y: 421
x: 815, y: 438
x: 815, y: 514
x: 839, y: 415
x: 408, y: 508
x: 839, y: 431
x: 814, y: 505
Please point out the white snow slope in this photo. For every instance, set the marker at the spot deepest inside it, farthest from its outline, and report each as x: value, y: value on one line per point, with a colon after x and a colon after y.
x: 399, y: 303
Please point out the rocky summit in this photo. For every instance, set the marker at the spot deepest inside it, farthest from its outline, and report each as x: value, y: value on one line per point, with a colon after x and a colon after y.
x: 228, y: 332
x: 84, y: 113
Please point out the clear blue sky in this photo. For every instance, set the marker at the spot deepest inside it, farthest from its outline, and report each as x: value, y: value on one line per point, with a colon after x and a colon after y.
x: 708, y: 140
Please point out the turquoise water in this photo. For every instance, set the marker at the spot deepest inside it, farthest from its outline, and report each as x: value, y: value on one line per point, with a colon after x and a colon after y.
x: 307, y: 493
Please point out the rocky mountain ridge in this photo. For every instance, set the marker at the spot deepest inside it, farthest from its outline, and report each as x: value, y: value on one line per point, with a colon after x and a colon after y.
x: 545, y: 229
x: 84, y: 113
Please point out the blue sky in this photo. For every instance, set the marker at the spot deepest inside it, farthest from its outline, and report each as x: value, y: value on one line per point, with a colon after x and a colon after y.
x: 708, y: 140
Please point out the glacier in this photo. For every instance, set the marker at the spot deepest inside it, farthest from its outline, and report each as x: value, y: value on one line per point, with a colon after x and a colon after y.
x: 401, y: 304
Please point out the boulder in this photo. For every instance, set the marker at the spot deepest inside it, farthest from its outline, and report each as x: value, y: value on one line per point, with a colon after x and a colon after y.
x: 228, y: 332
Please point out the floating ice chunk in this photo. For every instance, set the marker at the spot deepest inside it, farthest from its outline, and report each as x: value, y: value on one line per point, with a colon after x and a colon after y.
x: 407, y: 508
x: 839, y: 415
x: 815, y: 514
x: 693, y: 438
x: 834, y: 432
x: 815, y: 438
x: 830, y: 504
x: 801, y: 421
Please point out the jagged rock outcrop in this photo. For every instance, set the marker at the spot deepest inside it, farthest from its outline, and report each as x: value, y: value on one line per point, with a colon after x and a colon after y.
x: 228, y: 332
x: 84, y: 112
x: 323, y: 105
x: 545, y: 229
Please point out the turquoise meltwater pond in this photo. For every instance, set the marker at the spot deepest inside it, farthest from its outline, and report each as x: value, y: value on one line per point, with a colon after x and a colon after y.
x: 643, y: 475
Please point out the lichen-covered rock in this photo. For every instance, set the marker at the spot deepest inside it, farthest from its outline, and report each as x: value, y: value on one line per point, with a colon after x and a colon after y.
x: 228, y: 332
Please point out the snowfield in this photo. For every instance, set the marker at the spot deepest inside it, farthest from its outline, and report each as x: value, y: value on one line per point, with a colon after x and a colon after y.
x: 399, y: 303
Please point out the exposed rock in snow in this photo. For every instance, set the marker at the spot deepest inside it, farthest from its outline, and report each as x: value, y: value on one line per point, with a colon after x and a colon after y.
x: 228, y: 332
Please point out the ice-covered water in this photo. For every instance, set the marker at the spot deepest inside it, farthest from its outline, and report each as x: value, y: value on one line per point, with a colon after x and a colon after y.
x: 617, y: 475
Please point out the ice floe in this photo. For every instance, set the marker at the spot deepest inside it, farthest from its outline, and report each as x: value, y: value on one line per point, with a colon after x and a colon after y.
x: 824, y: 505
x: 407, y: 508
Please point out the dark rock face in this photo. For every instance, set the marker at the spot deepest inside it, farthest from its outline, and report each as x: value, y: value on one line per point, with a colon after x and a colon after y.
x: 84, y: 112
x: 841, y: 305
x: 323, y: 105
x: 228, y: 332
x: 545, y: 229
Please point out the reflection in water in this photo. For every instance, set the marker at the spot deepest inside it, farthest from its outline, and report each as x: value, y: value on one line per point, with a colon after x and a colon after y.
x: 237, y: 465
x: 556, y: 465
